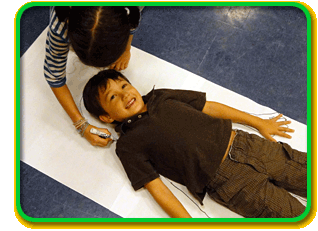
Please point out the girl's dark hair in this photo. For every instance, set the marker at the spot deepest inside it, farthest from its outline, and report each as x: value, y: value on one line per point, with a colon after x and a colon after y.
x: 92, y: 87
x: 99, y: 34
x: 62, y: 12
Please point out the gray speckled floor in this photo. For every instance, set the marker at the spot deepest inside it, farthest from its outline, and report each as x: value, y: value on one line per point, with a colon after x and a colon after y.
x: 258, y: 52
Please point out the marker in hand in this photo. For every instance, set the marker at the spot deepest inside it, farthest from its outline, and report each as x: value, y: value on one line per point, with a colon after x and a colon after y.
x: 100, y: 134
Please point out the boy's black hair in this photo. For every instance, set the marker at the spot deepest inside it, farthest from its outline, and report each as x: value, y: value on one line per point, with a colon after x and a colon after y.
x: 93, y: 86
x: 99, y: 34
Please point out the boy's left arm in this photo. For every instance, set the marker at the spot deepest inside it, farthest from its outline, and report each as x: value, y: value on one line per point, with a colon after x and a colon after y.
x: 266, y: 127
x: 165, y: 198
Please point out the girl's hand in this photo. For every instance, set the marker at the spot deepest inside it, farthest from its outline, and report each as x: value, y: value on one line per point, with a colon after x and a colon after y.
x: 271, y: 127
x: 95, y: 140
x: 122, y: 62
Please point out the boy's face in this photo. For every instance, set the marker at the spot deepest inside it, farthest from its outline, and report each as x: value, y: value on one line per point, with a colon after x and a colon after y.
x: 120, y: 100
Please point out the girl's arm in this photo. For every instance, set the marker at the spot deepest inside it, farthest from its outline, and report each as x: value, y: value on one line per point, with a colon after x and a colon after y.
x: 266, y: 127
x: 65, y: 98
x: 164, y: 197
x: 122, y: 62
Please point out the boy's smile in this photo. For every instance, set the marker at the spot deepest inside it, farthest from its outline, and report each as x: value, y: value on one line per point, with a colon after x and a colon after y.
x: 130, y: 103
x: 120, y: 100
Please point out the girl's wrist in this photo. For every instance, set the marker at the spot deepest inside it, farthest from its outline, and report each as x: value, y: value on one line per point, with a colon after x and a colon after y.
x: 81, y: 125
x: 128, y: 48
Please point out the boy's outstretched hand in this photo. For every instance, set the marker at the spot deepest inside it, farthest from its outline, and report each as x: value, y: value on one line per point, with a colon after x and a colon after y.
x: 266, y: 127
x: 269, y: 127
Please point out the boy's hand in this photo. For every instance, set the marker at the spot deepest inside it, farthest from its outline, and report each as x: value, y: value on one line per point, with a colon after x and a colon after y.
x: 95, y: 140
x: 122, y: 62
x: 270, y: 127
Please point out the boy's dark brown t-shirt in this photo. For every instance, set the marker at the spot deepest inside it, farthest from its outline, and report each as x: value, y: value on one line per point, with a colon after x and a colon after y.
x: 175, y: 139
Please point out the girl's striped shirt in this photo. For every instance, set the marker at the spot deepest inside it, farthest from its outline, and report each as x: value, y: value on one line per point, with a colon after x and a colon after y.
x: 56, y: 51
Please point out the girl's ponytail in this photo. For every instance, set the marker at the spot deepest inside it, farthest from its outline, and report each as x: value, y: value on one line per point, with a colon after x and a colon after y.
x: 133, y: 15
x: 62, y: 12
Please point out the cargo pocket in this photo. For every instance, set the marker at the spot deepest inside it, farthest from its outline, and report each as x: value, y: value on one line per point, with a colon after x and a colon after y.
x: 240, y: 155
x: 242, y: 192
x: 296, y: 158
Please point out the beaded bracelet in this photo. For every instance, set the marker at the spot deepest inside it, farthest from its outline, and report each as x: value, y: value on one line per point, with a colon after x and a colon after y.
x: 79, y: 123
x: 81, y: 126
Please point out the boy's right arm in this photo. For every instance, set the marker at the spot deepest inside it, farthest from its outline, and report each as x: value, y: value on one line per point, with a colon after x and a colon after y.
x: 165, y: 198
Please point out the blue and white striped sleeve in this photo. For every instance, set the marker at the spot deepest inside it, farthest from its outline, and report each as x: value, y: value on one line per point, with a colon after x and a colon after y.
x: 56, y: 51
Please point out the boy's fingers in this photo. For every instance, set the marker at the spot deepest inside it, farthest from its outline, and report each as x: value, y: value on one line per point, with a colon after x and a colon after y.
x: 283, y: 134
x: 284, y: 129
x: 269, y: 137
x: 284, y: 122
x: 277, y: 117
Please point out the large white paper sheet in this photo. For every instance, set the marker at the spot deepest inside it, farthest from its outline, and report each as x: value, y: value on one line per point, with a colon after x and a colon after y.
x: 50, y: 143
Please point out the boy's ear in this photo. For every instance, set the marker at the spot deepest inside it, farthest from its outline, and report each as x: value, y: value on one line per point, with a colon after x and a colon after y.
x: 106, y: 119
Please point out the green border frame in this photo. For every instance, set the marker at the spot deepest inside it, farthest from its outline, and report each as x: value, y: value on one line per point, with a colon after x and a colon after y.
x: 120, y: 220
